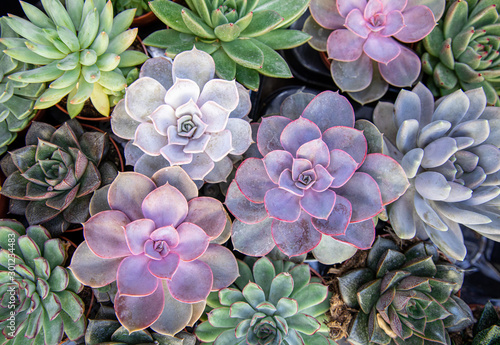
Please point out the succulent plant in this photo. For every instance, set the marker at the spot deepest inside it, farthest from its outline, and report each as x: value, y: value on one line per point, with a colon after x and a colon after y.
x: 81, y: 50
x: 155, y: 242
x: 404, y: 298
x: 450, y: 153
x: 39, y: 296
x: 105, y: 329
x: 53, y: 177
x: 141, y: 6
x: 363, y: 40
x: 240, y: 35
x: 462, y: 52
x: 487, y: 328
x: 177, y: 114
x: 317, y: 187
x: 16, y: 99
x: 275, y: 302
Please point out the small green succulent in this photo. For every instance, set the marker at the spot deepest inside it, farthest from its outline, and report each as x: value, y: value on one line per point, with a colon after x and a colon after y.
x: 404, y: 298
x: 462, y: 52
x: 38, y: 295
x: 241, y: 35
x: 16, y: 98
x: 275, y: 303
x: 487, y: 328
x: 81, y: 49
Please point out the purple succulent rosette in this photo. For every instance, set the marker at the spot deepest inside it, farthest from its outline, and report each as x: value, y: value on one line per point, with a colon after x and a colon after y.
x: 316, y: 189
x: 157, y: 242
x: 178, y: 114
x: 365, y: 42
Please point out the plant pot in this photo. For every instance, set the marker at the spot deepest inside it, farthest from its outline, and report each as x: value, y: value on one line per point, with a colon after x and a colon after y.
x: 144, y: 20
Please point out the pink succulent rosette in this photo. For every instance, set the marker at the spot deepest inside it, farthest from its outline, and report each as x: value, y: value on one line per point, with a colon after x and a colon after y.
x: 365, y: 44
x: 178, y: 114
x: 156, y: 241
x: 316, y: 189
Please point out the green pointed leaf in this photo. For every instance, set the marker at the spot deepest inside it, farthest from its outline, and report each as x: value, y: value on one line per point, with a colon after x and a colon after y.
x: 202, y: 10
x: 284, y: 38
x: 26, y: 29
x: 227, y: 32
x: 281, y: 286
x: 368, y: 295
x: 113, y: 81
x: 121, y: 42
x: 245, y: 275
x: 220, y: 318
x: 69, y: 62
x: 245, y: 53
x: 433, y: 41
x: 456, y: 17
x: 71, y: 304
x: 229, y: 296
x: 208, y: 333
x: 241, y: 310
x: 289, y: 10
x: 274, y: 65
x: 303, y: 323
x: 39, y: 75
x: 58, y: 13
x: 170, y: 13
x: 121, y: 22
x: 168, y: 37
x: 244, y: 21
x: 69, y: 38
x: 262, y: 22
x: 54, y: 252
x: 264, y: 273
x: 253, y: 294
x: 75, y: 8
x: 310, y: 295
x: 42, y: 268
x: 59, y: 279
x: 287, y: 307
x: 25, y: 55
x: 446, y: 54
x: 29, y: 249
x: 196, y: 25
x: 467, y: 74
x: 72, y: 329
x: 131, y: 58
x: 106, y: 19
x: 247, y: 77
x: 52, y: 329
x: 423, y: 267
x: 487, y: 16
x: 225, y: 67
x: 36, y: 16
x: 444, y: 77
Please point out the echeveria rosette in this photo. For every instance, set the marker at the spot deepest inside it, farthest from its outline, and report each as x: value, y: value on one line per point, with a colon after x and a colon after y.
x: 178, y: 114
x: 155, y: 242
x: 365, y: 41
x: 272, y: 302
x: 316, y: 188
x: 16, y: 98
x: 241, y: 35
x: 53, y: 177
x: 462, y: 51
x: 450, y: 152
x: 79, y: 47
x: 39, y: 295
x: 404, y: 297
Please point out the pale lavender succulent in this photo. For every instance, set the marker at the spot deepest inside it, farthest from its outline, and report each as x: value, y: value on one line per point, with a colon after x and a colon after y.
x: 317, y: 187
x: 178, y: 114
x: 365, y: 45
x: 158, y: 242
x: 450, y: 152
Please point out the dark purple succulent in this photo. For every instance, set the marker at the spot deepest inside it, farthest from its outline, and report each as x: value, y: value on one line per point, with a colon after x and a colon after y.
x: 316, y: 188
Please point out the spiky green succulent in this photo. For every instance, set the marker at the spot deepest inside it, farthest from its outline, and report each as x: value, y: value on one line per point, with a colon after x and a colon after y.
x: 274, y: 303
x: 81, y: 50
x: 404, y: 298
x: 462, y: 52
x: 16, y: 98
x: 39, y: 301
x: 487, y: 328
x: 52, y: 179
x: 241, y: 35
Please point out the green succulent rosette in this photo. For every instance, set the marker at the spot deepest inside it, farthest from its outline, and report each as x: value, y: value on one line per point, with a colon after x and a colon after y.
x: 17, y: 99
x: 141, y: 6
x: 80, y: 48
x: 52, y: 179
x: 275, y: 302
x: 462, y: 52
x: 38, y: 295
x: 404, y: 298
x: 241, y: 35
x: 487, y: 328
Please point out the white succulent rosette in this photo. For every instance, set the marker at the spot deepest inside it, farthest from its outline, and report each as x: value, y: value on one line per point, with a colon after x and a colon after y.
x: 176, y: 113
